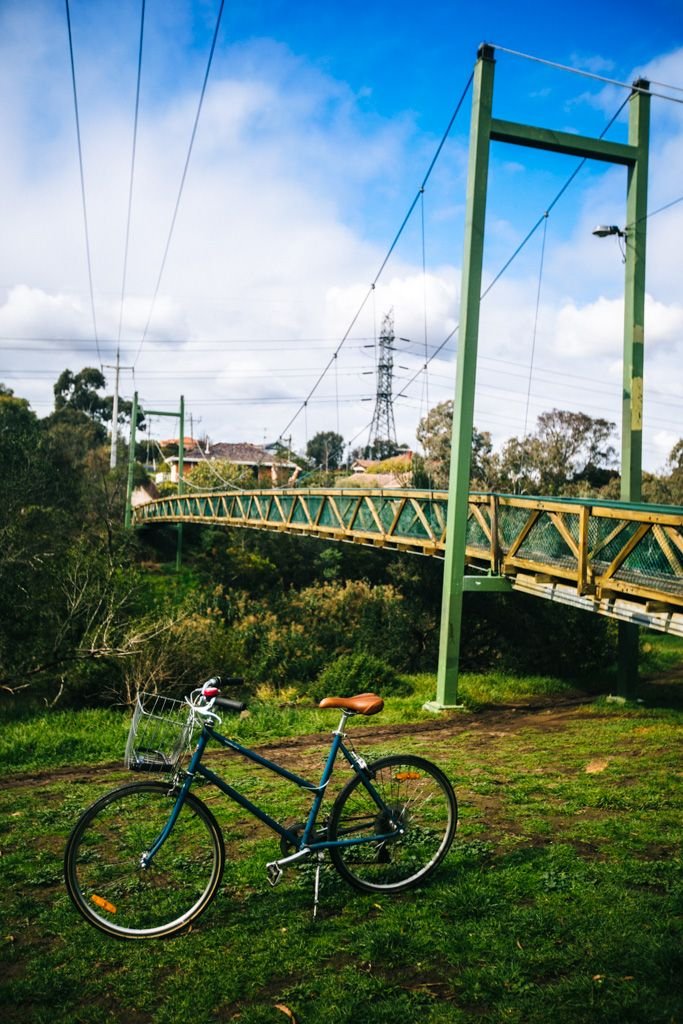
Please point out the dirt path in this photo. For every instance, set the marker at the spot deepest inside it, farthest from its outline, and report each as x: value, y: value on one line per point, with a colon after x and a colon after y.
x: 550, y: 714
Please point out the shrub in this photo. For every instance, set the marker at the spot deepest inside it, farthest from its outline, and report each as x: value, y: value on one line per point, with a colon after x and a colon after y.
x: 352, y: 674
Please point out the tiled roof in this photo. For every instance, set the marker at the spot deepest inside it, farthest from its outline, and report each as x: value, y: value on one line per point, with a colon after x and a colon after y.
x: 188, y: 442
x: 242, y: 454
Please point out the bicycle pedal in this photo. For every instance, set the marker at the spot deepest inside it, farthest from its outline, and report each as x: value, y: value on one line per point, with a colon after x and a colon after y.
x: 275, y: 873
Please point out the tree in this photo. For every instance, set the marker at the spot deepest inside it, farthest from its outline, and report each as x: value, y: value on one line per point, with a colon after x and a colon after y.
x: 326, y: 450
x: 218, y: 475
x: 675, y: 479
x: 573, y: 448
x: 79, y: 392
x: 483, y: 470
x: 434, y: 434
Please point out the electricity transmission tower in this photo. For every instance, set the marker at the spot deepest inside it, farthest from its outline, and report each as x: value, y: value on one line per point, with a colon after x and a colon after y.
x: 382, y: 439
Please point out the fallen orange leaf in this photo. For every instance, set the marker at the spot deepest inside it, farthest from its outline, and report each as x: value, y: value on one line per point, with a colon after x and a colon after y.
x: 286, y: 1010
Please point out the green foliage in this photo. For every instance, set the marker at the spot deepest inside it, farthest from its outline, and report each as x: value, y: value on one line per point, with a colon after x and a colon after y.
x: 292, y: 642
x: 434, y: 434
x: 352, y: 674
x: 78, y: 392
x: 218, y: 474
x: 569, y: 453
x: 326, y: 449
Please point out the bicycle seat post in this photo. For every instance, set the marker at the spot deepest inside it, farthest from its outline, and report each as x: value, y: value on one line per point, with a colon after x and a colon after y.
x: 341, y: 728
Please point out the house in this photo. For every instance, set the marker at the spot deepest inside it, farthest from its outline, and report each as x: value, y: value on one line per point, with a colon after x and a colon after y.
x: 262, y: 466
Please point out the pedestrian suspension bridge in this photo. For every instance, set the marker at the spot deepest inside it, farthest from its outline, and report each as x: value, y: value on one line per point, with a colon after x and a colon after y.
x: 619, y: 560
x: 623, y: 560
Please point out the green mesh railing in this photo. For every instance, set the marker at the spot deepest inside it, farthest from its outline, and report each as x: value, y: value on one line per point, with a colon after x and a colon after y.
x: 601, y: 546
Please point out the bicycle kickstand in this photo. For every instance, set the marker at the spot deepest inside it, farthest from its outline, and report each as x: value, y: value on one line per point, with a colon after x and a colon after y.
x: 316, y: 889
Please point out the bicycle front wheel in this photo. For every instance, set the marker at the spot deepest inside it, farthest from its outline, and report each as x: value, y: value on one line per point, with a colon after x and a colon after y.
x: 418, y: 799
x: 102, y: 863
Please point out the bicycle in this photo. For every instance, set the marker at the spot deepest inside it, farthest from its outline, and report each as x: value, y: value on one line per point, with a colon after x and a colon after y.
x: 145, y: 860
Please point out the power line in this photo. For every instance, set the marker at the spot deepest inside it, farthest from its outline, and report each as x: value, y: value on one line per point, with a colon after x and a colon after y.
x: 371, y: 289
x: 665, y: 85
x: 66, y: 340
x: 80, y: 165
x: 182, y: 179
x: 132, y: 169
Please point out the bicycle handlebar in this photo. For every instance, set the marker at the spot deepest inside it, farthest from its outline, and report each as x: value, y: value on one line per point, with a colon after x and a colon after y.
x: 210, y: 689
x: 230, y: 705
x: 224, y: 681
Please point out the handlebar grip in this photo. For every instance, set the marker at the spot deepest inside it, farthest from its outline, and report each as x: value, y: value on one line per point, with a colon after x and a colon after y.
x: 230, y: 680
x: 230, y: 705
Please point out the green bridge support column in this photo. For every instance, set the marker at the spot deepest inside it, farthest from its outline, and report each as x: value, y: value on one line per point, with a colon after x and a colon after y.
x: 131, y: 460
x: 181, y: 486
x: 180, y: 415
x: 484, y: 130
x: 466, y: 369
x: 634, y: 337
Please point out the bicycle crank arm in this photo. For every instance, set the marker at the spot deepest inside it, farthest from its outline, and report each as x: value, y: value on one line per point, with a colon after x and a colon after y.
x: 276, y: 867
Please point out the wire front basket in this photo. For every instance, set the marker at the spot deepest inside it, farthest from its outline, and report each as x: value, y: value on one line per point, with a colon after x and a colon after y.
x: 159, y: 734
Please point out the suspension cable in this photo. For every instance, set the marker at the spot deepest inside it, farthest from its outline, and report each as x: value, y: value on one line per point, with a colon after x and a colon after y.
x: 80, y: 165
x: 660, y: 209
x: 424, y: 303
x: 385, y: 260
x: 523, y: 243
x: 533, y: 342
x: 182, y: 179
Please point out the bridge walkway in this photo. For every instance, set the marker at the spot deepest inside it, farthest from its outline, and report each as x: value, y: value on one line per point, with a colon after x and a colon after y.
x: 620, y: 560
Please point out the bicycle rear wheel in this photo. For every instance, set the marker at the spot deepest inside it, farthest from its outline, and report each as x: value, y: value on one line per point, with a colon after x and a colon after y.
x: 419, y: 799
x: 102, y: 869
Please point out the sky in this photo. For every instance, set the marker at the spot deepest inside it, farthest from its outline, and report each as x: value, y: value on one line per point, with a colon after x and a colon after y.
x: 317, y: 128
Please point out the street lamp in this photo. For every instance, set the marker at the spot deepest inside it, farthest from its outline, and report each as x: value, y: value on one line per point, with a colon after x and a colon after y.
x: 603, y: 230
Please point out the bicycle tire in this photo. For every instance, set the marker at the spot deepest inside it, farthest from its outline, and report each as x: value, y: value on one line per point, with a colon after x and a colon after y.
x: 420, y: 798
x: 102, y: 868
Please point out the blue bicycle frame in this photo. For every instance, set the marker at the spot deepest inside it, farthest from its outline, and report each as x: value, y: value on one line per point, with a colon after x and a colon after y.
x: 301, y: 842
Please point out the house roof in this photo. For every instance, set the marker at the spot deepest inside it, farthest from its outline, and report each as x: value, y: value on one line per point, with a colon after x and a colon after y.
x: 242, y: 454
x: 188, y: 442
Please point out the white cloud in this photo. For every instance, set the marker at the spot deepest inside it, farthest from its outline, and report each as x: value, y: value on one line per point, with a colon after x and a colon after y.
x: 292, y: 196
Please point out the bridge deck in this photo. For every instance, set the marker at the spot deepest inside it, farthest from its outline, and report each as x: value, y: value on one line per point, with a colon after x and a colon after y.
x: 625, y: 561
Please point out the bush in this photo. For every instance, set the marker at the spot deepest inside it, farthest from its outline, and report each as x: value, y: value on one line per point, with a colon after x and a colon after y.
x: 292, y: 642
x: 352, y: 674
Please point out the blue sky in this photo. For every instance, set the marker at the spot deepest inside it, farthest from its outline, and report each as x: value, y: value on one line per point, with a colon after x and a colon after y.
x: 318, y: 125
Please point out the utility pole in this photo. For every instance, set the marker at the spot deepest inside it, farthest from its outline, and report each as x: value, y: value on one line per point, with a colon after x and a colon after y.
x: 115, y: 408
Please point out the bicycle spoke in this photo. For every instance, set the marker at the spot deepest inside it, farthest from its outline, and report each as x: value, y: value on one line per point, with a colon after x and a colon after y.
x: 418, y: 806
x: 106, y: 876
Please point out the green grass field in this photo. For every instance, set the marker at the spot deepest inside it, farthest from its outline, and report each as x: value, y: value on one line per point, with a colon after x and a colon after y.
x: 560, y: 900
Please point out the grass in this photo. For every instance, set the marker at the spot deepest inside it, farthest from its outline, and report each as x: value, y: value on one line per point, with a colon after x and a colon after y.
x: 560, y: 900
x: 53, y: 739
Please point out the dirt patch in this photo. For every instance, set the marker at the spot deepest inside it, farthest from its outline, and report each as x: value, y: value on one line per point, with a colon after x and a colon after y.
x: 491, y: 723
